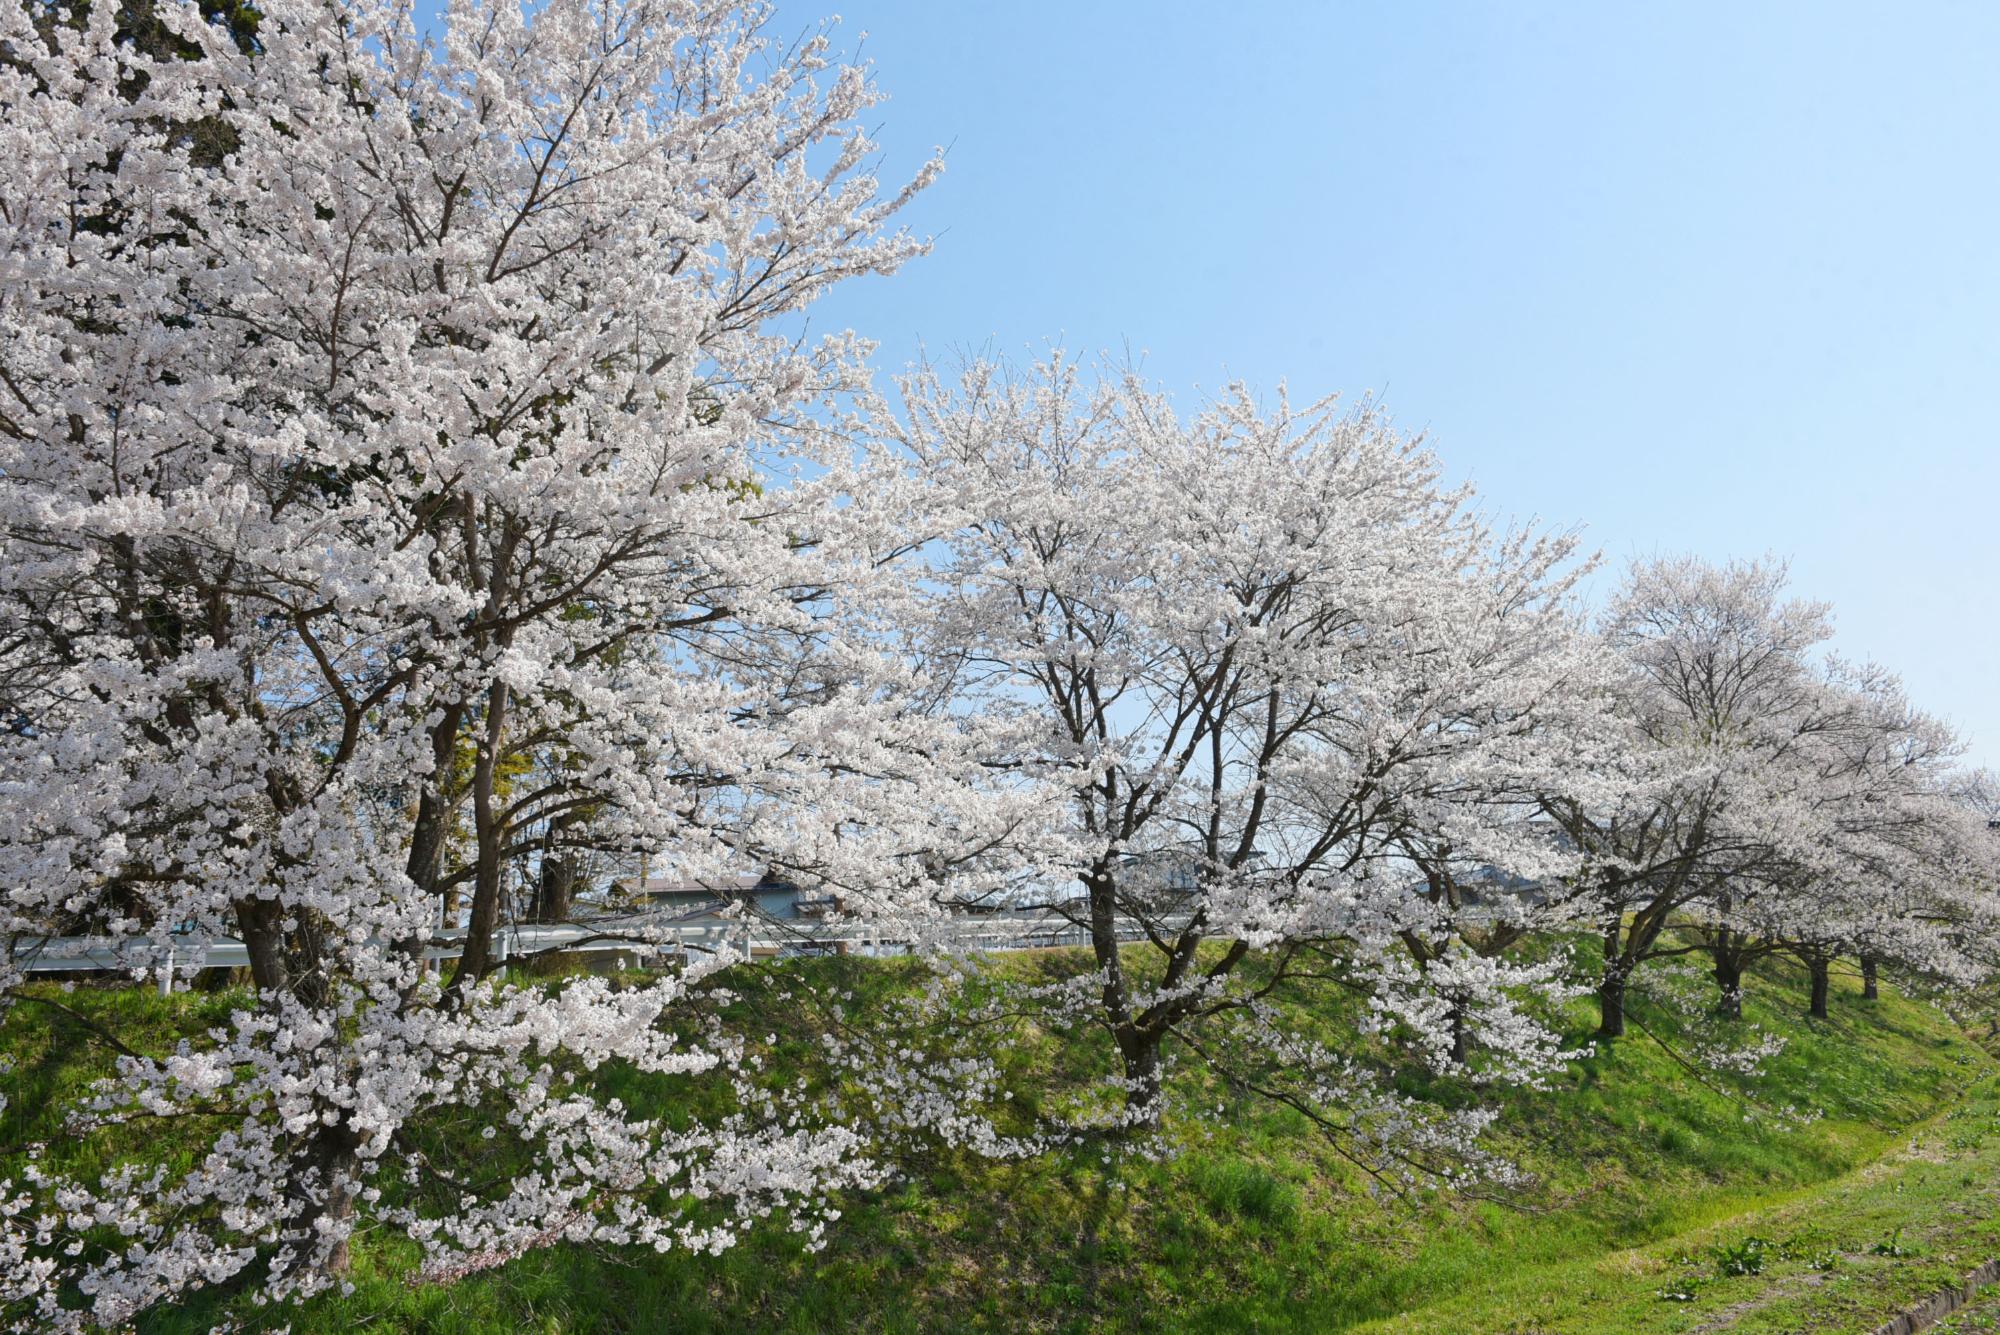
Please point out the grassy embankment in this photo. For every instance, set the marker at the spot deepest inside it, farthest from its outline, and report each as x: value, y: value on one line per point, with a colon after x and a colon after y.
x: 1650, y: 1187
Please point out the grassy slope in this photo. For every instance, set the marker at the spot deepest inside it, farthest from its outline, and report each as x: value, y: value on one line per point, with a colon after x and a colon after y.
x: 1843, y: 1256
x: 1255, y: 1226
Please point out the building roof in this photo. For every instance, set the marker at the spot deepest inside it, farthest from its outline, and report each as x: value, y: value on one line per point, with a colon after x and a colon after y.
x: 720, y: 887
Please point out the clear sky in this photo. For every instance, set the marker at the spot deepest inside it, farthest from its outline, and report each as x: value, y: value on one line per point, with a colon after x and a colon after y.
x: 1721, y: 279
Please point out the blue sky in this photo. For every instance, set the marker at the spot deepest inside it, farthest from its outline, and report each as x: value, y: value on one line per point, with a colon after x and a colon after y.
x: 1721, y: 279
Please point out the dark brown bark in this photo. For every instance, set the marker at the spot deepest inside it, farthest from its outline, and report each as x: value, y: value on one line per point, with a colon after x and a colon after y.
x: 1871, y: 987
x: 431, y: 830
x: 324, y: 1183
x: 554, y: 890
x: 555, y: 885
x: 1139, y: 1050
x: 433, y: 823
x: 264, y: 940
x: 1822, y: 985
x: 477, y: 960
x: 1140, y: 1038
x: 1611, y: 984
x: 1729, y: 984
x: 1611, y: 1006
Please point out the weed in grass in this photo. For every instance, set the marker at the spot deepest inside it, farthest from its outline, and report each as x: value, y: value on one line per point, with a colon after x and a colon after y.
x: 1893, y: 1244
x: 1814, y: 1251
x: 1740, y: 1258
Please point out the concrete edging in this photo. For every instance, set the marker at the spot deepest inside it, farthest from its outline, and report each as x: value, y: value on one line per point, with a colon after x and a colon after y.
x: 1940, y: 1304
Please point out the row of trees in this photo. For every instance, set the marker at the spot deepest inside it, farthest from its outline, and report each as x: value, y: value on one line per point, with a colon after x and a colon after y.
x: 1323, y: 723
x: 413, y: 486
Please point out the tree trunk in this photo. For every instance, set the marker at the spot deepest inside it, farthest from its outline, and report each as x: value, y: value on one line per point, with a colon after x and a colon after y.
x: 431, y: 830
x: 325, y: 1181
x: 1871, y: 989
x: 323, y: 1165
x: 260, y: 922
x: 1611, y: 988
x: 1138, y: 1047
x: 1729, y: 983
x: 1821, y: 986
x: 1461, y: 1036
x: 1611, y: 1005
x: 476, y: 961
x: 555, y: 886
x: 554, y: 890
x: 1140, y: 1051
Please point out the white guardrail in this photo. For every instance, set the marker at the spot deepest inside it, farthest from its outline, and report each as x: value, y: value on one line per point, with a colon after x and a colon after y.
x: 642, y: 937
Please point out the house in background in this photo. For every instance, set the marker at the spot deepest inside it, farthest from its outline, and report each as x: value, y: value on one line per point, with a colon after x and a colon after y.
x: 765, y: 894
x: 1489, y: 886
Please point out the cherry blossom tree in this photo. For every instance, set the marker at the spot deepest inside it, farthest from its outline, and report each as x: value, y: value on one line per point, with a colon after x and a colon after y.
x: 1267, y: 644
x: 1897, y: 877
x: 1978, y: 791
x: 1717, y: 687
x: 1778, y: 799
x: 1857, y: 848
x: 405, y: 472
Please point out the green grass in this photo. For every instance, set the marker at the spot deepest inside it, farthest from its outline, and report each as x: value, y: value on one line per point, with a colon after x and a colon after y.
x: 1644, y: 1177
x: 1842, y: 1256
